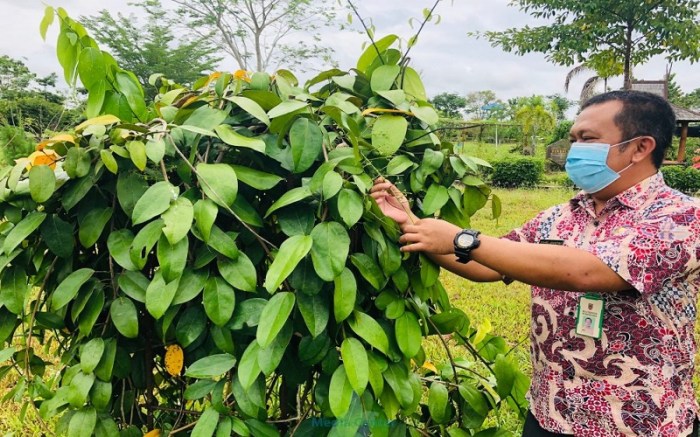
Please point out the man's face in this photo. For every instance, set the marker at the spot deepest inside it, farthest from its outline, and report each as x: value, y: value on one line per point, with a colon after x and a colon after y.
x: 596, y: 124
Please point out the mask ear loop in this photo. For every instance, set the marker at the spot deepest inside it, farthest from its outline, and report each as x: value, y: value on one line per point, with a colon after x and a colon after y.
x: 625, y: 142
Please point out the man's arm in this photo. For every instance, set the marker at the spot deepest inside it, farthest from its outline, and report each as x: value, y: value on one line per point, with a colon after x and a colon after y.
x: 557, y: 267
x: 471, y: 270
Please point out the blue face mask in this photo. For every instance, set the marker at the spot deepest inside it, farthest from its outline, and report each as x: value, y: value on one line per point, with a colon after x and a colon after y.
x: 587, y: 165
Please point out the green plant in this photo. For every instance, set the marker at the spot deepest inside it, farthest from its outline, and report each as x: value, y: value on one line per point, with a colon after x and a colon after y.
x: 517, y: 172
x: 14, y: 143
x: 681, y: 178
x: 227, y: 227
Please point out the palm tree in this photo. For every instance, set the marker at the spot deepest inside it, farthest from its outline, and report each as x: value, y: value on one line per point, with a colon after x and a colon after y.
x: 534, y: 118
x: 602, y: 74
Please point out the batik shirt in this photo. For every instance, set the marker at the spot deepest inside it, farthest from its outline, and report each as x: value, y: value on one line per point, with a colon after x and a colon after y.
x: 637, y: 378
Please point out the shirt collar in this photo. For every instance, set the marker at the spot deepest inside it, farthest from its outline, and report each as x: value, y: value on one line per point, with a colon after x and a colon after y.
x: 634, y: 197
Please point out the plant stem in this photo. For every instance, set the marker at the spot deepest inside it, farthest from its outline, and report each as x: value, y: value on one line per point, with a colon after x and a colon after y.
x: 367, y: 31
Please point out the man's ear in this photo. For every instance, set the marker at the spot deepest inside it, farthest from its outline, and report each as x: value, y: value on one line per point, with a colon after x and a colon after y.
x: 643, y: 148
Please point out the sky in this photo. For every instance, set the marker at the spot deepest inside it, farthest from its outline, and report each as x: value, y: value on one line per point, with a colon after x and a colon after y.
x: 446, y: 57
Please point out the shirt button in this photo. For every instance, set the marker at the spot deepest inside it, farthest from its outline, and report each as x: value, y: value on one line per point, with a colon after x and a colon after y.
x: 571, y: 313
x: 596, y: 223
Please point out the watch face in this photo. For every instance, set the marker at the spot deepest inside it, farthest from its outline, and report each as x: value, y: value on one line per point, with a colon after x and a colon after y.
x: 465, y: 240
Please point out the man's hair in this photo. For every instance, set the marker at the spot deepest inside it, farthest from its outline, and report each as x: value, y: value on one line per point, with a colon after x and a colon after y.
x: 642, y: 114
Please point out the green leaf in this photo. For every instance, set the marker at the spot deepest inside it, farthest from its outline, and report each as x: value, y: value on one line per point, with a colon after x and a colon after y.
x: 92, y: 225
x: 408, y: 334
x: 219, y: 183
x: 248, y: 367
x: 292, y: 196
x: 58, y: 236
x: 413, y: 85
x: 314, y: 310
x: 344, y: 295
x: 388, y: 133
x: 155, y: 150
x: 474, y: 398
x: 274, y: 316
x: 191, y: 325
x: 240, y: 273
x: 438, y: 401
x: 91, y: 67
x: 340, y: 392
x: 14, y: 289
x: 206, y: 424
x: 159, y: 295
x: 46, y: 21
x: 251, y: 107
x: 89, y: 315
x: 270, y: 357
x: 178, y: 220
x: 137, y: 153
x: 219, y: 301
x: 306, y: 141
x: 130, y: 88
x: 383, y: 77
x: 356, y: 364
x: 68, y: 288
x: 134, y: 285
x: 91, y: 354
x: 331, y: 245
x: 256, y: 178
x: 130, y: 187
x: 286, y: 107
x: 369, y: 330
x: 496, y: 206
x: 205, y: 212
x: 211, y: 366
x: 350, y: 206
x: 199, y: 389
x: 83, y: 422
x: 191, y: 284
x: 435, y: 198
x: 42, y: 183
x: 155, y: 201
x: 22, y: 230
x: 233, y: 138
x: 426, y: 114
x: 332, y: 183
x: 223, y: 243
x: 144, y: 241
x: 368, y: 269
x: 292, y: 250
x: 505, y: 372
x: 398, y: 165
x: 125, y: 317
x: 370, y: 53
x: 172, y: 258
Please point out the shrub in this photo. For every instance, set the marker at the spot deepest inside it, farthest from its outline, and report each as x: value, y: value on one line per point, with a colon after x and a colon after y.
x: 14, y: 143
x: 517, y: 172
x: 681, y: 178
x: 212, y: 261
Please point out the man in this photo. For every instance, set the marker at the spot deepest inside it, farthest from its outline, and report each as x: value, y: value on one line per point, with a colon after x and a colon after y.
x: 625, y: 251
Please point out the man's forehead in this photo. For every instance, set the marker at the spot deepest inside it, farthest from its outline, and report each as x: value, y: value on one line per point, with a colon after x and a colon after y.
x: 597, y: 118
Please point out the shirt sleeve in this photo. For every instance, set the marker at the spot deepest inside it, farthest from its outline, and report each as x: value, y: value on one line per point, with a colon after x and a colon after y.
x: 531, y: 231
x: 649, y: 253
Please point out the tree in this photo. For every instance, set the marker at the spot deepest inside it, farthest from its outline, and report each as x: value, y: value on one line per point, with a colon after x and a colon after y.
x: 263, y: 34
x: 676, y: 95
x: 152, y: 47
x: 601, y: 32
x: 477, y: 102
x: 535, y: 117
x: 450, y: 104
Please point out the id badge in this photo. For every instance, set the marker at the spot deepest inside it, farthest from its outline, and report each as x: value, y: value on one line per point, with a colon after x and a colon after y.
x: 589, y: 318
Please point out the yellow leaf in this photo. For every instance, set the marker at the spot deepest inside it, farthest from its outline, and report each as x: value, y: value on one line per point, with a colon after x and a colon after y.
x: 174, y: 358
x: 154, y: 433
x: 102, y: 119
x: 60, y: 138
x: 429, y: 366
x: 212, y: 77
x: 241, y: 75
x: 43, y: 157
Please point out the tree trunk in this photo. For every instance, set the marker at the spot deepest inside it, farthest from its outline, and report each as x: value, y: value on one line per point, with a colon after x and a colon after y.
x: 628, y: 55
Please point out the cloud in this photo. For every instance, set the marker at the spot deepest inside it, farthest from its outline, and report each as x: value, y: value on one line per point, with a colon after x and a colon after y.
x: 447, y: 58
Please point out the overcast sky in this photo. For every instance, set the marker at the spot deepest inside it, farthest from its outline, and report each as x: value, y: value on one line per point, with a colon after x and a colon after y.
x: 446, y: 58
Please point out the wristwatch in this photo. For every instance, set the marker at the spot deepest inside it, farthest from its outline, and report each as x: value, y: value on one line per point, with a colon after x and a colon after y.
x: 465, y: 241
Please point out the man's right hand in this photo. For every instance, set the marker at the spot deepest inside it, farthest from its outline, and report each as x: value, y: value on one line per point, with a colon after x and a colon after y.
x: 392, y: 202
